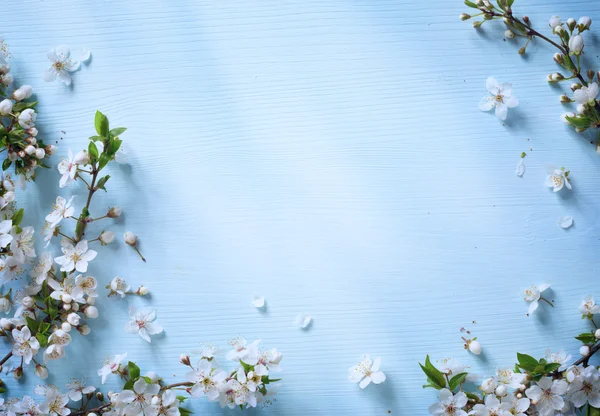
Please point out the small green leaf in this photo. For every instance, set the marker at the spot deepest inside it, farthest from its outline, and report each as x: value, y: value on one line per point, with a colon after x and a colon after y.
x: 247, y: 367
x: 102, y: 182
x: 181, y: 399
x: 473, y: 396
x: 551, y: 367
x: 96, y: 138
x: 18, y: 217
x: 31, y: 324
x: 117, y: 132
x: 101, y: 124
x: 18, y: 107
x: 433, y: 374
x: 586, y: 338
x: 457, y: 380
x: 6, y: 164
x: 527, y: 362
x: 52, y: 312
x: 103, y: 161
x: 128, y: 385
x: 93, y: 152
x: 42, y: 339
x: 510, y: 2
x: 471, y: 4
x: 185, y: 412
x: 134, y: 370
x: 582, y: 122
x: 592, y: 411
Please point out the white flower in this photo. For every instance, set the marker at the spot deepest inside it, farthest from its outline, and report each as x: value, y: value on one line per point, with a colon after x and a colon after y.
x: 25, y: 345
x: 270, y: 359
x: 576, y: 44
x: 87, y: 284
x: 60, y: 210
x: 588, y: 306
x: 258, y: 302
x: 75, y: 257
x: 206, y: 351
x: 5, y: 237
x: 141, y: 323
x: 557, y: 178
x: 366, y: 371
x: 586, y: 388
x: 42, y: 267
x: 488, y: 385
x: 547, y: 395
x: 561, y: 357
x: 585, y: 22
x: 22, y: 244
x: 27, y: 118
x: 167, y: 405
x: 22, y: 93
x: 73, y: 319
x: 555, y: 21
x: 206, y: 380
x: 10, y: 269
x: 68, y: 167
x: 500, y: 96
x: 111, y: 366
x: 55, y: 404
x: 303, y: 321
x: 574, y: 372
x: 120, y: 286
x: 61, y: 65
x: 586, y: 95
x: 139, y: 401
x: 449, y: 404
x: 533, y: 295
x: 6, y: 106
x: 67, y: 290
x: 565, y: 222
x: 521, y: 167
x: 509, y: 378
x: 491, y: 407
x: 241, y: 351
x: 77, y: 389
x: 515, y: 406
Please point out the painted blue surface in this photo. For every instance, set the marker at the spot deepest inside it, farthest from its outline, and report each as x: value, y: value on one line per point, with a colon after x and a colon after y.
x: 330, y: 156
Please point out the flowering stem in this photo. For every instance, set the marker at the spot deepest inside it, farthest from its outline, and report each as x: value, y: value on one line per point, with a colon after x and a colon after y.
x: 91, y: 188
x: 138, y: 251
x: 6, y: 357
x: 547, y: 301
x: 182, y: 384
x: 94, y: 410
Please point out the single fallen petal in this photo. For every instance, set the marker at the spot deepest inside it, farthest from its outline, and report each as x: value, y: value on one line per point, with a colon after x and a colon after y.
x: 258, y: 302
x: 303, y: 321
x: 85, y: 54
x: 521, y: 167
x: 565, y: 222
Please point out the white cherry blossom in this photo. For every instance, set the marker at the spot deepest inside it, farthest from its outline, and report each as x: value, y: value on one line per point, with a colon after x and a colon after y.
x: 206, y: 380
x: 142, y: 323
x: 139, y: 400
x: 22, y: 244
x: 68, y: 167
x: 534, y: 295
x: 75, y: 257
x: 500, y: 96
x: 366, y: 371
x: 120, y: 286
x: 557, y: 179
x: 111, y: 366
x: 77, y: 389
x: 61, y: 65
x: 561, y: 357
x: 547, y: 395
x: 55, y: 404
x: 586, y: 95
x: 588, y: 306
x: 61, y: 209
x: 5, y: 236
x: 25, y: 345
x: 449, y: 404
x: 42, y: 268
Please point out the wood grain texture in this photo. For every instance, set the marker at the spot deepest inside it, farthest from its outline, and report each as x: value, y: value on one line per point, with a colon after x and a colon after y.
x: 330, y: 156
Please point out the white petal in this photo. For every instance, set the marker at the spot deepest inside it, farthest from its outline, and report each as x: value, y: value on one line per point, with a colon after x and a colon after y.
x: 501, y: 111
x: 486, y: 103
x: 62, y: 52
x: 365, y: 382
x: 511, y: 101
x: 533, y: 306
x: 521, y: 168
x: 492, y: 85
x: 565, y: 222
x: 303, y: 321
x: 258, y: 302
x: 85, y: 54
x: 49, y: 74
x: 378, y: 377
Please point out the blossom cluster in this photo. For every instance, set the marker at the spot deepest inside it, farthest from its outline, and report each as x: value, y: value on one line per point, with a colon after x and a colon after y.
x: 249, y: 384
x: 551, y: 386
x: 567, y: 37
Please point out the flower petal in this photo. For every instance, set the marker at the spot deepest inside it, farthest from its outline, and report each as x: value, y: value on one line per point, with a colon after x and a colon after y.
x: 565, y: 222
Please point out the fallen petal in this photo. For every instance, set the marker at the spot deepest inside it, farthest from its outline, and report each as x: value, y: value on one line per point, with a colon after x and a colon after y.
x: 303, y: 321
x: 258, y: 302
x: 521, y: 168
x: 85, y: 54
x: 565, y: 222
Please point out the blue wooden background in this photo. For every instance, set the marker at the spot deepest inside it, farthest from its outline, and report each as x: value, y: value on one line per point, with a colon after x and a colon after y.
x: 330, y: 156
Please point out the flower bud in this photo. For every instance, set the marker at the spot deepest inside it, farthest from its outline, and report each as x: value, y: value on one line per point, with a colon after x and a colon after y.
x: 65, y: 326
x: 519, y: 395
x: 106, y: 237
x: 584, y: 351
x: 558, y: 58
x: 554, y: 22
x: 557, y: 76
x: 114, y: 212
x: 558, y: 30
x: 571, y: 23
x: 67, y: 306
x: 475, y: 347
x: 489, y: 385
x: 74, y: 306
x: 92, y: 414
x: 4, y: 305
x: 465, y: 16
x: 591, y: 74
x: 83, y: 329
x: 584, y: 23
x: 6, y: 324
x: 91, y: 300
x: 143, y: 291
x: 18, y: 373
x: 476, y: 24
x: 40, y: 153
x: 576, y: 44
x: 99, y: 396
x: 575, y: 86
x: 5, y: 106
x: 41, y: 371
x: 50, y: 149
x: 597, y: 334
x: 7, y: 79
x: 522, y: 50
x: 130, y: 238
x: 66, y: 298
x: 28, y: 302
x: 501, y: 390
x: 509, y: 34
x: 33, y: 132
x: 526, y: 19
x: 184, y: 359
x: 30, y: 150
x: 91, y: 312
x: 23, y: 93
x: 564, y: 99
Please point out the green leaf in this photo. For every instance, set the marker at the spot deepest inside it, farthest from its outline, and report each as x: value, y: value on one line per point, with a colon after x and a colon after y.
x: 128, y: 385
x: 181, y: 399
x: 473, y: 396
x: 42, y: 339
x: 592, y: 411
x: 185, y: 412
x: 457, y: 380
x: 117, y: 132
x: 93, y: 152
x: 6, y: 164
x: 104, y: 159
x: 247, y: 367
x: 113, y: 146
x: 510, y: 2
x: 527, y: 362
x: 101, y: 124
x: 582, y: 122
x: 31, y: 324
x: 102, y: 182
x: 18, y: 107
x: 433, y: 374
x: 52, y: 312
x: 551, y: 367
x: 586, y: 338
x: 18, y: 217
x: 134, y: 370
x: 96, y: 138
x: 471, y: 4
